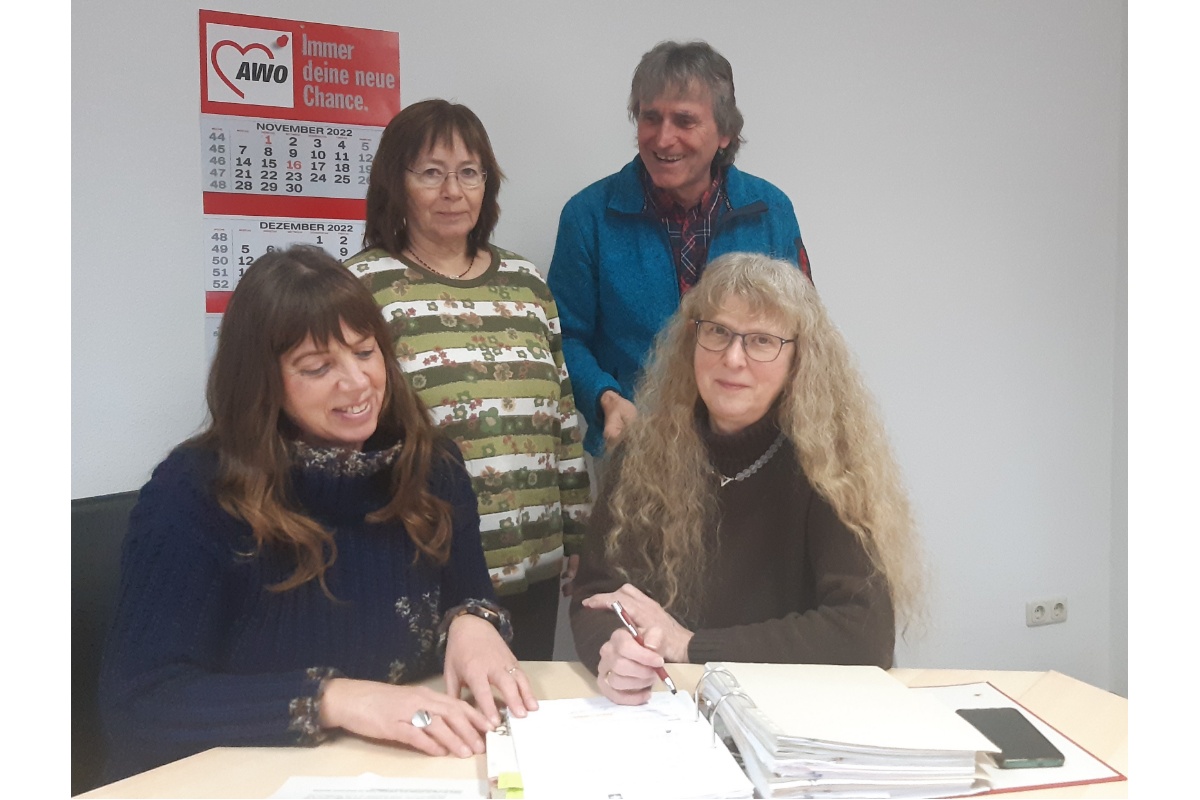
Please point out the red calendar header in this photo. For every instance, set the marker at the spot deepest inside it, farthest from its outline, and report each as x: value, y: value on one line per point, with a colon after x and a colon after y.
x: 284, y: 69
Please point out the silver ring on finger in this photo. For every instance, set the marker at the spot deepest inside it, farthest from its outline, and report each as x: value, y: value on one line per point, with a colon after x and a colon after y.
x: 607, y: 674
x: 422, y: 719
x: 512, y: 670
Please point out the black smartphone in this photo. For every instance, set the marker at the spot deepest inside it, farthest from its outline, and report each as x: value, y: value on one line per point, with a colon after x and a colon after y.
x: 1021, y: 745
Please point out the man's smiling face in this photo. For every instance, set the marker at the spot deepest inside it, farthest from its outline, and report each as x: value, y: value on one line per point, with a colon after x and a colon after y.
x: 678, y: 139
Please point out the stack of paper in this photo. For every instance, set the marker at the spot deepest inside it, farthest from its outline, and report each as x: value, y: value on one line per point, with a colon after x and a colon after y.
x: 810, y: 730
x: 593, y: 748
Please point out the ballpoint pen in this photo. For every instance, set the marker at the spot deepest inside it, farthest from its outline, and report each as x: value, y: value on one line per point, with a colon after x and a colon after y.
x: 637, y: 637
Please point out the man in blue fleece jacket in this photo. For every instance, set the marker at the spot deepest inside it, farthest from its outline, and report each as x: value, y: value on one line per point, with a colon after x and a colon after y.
x: 631, y: 244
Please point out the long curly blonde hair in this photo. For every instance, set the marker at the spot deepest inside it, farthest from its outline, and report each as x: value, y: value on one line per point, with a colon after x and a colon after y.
x: 666, y: 490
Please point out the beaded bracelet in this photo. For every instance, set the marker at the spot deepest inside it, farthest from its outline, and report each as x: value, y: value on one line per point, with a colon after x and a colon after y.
x: 484, y: 609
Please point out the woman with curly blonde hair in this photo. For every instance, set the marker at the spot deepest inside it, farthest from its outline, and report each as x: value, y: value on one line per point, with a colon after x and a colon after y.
x: 754, y: 511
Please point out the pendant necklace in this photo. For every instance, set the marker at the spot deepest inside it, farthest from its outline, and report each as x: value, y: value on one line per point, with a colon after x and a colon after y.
x: 421, y: 261
x: 757, y: 465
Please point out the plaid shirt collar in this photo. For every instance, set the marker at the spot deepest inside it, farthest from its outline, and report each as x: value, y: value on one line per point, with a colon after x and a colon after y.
x: 664, y: 206
x: 689, y: 230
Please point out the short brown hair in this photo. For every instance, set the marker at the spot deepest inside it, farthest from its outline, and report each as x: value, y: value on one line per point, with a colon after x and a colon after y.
x: 418, y: 127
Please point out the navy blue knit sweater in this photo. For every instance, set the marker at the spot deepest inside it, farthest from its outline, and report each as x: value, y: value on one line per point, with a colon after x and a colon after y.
x: 202, y: 654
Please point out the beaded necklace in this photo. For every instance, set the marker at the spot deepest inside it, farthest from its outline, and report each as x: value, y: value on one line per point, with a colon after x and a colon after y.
x: 757, y: 465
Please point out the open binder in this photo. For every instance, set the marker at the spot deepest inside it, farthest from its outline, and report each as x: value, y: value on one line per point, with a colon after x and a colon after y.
x: 815, y: 730
x: 592, y: 748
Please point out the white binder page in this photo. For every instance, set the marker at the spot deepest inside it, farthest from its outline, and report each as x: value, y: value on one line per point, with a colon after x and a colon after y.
x: 593, y: 748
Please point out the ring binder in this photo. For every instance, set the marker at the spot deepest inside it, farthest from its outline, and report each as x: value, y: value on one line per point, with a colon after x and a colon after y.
x: 504, y: 773
x: 709, y: 669
x: 838, y: 731
x: 711, y: 719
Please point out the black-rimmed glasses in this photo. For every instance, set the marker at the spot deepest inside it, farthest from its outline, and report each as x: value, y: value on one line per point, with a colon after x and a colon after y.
x: 715, y: 337
x: 468, y: 177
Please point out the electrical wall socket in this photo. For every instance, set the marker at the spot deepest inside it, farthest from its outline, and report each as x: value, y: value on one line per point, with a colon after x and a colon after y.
x: 1046, y: 612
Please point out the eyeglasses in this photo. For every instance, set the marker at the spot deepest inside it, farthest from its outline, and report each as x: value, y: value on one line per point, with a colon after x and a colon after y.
x: 715, y: 337
x: 468, y: 177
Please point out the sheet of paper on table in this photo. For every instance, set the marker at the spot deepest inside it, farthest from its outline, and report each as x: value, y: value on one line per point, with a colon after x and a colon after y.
x: 377, y: 787
x: 1079, y: 766
x: 593, y: 748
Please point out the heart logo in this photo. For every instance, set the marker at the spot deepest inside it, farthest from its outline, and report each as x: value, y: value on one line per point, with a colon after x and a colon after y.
x: 243, y: 50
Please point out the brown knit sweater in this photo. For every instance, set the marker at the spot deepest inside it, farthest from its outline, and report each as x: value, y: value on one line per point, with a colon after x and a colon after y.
x: 788, y: 583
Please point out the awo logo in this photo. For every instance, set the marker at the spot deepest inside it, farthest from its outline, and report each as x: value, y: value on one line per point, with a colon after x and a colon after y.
x: 252, y: 66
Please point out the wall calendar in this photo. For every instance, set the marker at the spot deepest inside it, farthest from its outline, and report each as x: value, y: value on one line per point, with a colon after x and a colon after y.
x: 290, y: 117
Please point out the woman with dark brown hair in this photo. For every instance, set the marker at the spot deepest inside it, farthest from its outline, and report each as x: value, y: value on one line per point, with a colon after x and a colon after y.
x: 288, y: 570
x: 476, y: 332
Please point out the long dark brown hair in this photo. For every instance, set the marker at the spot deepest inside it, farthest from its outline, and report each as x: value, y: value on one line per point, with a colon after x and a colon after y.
x: 420, y: 126
x: 285, y: 297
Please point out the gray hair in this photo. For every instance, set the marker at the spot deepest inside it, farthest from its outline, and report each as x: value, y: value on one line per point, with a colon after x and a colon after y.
x: 675, y: 67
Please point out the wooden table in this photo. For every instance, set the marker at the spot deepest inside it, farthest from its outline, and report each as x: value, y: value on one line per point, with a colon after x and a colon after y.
x: 1095, y: 719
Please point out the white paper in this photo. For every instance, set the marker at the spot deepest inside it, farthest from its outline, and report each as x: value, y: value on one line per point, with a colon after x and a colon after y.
x: 807, y: 730
x: 852, y: 708
x: 377, y: 787
x: 593, y: 748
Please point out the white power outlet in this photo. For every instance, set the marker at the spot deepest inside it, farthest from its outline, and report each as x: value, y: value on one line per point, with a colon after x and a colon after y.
x: 1046, y: 612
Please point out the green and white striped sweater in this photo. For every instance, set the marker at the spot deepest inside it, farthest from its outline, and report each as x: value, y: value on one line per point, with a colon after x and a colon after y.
x: 485, y: 355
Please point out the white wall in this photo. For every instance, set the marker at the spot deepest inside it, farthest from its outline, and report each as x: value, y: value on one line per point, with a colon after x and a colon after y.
x: 958, y: 172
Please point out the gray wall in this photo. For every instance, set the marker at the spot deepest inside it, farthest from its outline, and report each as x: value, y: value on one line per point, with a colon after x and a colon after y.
x: 958, y: 170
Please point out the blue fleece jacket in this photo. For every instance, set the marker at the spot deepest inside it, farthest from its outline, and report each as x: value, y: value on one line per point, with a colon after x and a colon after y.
x: 615, y: 283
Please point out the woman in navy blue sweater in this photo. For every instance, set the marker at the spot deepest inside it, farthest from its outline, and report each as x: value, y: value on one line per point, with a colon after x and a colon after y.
x: 315, y: 549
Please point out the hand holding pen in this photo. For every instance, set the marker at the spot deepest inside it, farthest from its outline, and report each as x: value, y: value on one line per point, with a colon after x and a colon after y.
x: 637, y: 637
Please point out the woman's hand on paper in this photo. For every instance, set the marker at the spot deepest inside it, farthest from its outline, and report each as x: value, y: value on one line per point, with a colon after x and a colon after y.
x: 385, y: 711
x: 478, y: 658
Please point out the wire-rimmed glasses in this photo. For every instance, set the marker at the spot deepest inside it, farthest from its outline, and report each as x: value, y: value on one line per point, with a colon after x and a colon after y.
x: 434, y: 177
x: 715, y: 337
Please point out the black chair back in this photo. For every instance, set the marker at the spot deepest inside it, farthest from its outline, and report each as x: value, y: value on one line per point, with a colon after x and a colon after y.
x: 98, y: 527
